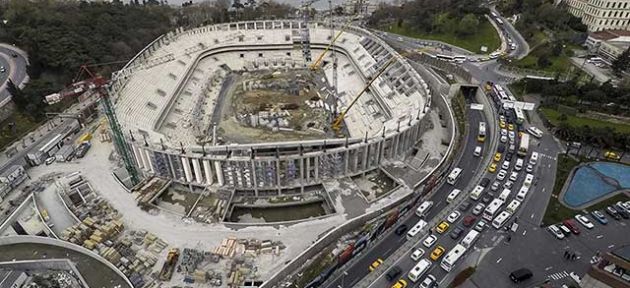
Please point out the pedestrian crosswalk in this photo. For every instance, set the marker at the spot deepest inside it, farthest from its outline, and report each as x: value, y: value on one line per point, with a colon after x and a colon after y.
x: 558, y: 276
x: 548, y: 156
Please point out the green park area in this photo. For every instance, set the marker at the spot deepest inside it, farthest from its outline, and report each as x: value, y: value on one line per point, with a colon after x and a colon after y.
x: 484, y: 35
x: 554, y: 116
x: 547, y: 57
x: 556, y: 212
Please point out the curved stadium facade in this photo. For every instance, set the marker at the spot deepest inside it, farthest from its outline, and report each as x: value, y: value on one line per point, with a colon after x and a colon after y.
x: 234, y: 105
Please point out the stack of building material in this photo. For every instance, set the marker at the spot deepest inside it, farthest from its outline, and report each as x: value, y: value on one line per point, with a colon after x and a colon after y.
x: 111, y: 255
x: 227, y: 248
x: 200, y: 276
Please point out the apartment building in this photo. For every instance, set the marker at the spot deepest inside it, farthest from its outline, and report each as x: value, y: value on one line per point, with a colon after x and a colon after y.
x: 601, y: 15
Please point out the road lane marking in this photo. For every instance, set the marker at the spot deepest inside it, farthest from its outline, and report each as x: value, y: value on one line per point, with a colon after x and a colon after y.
x: 499, y: 260
x: 611, y: 246
x: 548, y: 268
x: 599, y: 236
x: 524, y: 232
x: 532, y: 215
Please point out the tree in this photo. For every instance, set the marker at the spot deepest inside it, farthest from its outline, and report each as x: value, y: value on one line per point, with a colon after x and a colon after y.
x: 543, y: 61
x: 622, y: 63
x: 468, y: 25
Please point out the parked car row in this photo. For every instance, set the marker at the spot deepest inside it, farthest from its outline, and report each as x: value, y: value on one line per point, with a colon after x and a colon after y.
x: 618, y: 211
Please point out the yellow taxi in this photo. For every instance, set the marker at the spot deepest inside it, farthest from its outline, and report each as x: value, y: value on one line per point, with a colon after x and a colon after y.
x: 442, y: 227
x: 437, y: 253
x: 497, y: 156
x: 612, y: 155
x: 400, y: 284
x: 375, y: 264
x: 511, y: 127
x: 492, y: 168
x: 502, y: 124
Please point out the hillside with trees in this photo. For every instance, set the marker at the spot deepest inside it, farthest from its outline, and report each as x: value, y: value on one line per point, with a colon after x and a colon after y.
x: 458, y: 22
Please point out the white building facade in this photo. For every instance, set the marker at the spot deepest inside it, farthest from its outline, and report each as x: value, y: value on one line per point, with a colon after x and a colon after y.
x: 601, y: 15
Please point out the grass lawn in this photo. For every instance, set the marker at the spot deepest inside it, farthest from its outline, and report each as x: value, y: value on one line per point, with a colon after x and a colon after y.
x: 575, y: 121
x: 557, y: 212
x: 558, y: 64
x: 486, y: 36
x: 23, y: 125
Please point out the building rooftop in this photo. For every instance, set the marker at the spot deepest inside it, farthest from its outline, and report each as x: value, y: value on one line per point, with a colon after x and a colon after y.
x: 610, y: 34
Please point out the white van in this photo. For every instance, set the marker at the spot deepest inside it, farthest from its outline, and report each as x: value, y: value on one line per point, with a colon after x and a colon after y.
x: 451, y: 197
x: 417, y: 271
x: 529, y: 178
x: 522, y: 193
x: 519, y: 164
x: 513, y: 206
x: 424, y: 208
x: 534, y: 158
x: 477, y: 151
x: 535, y: 132
x: 505, y: 194
x: 476, y: 193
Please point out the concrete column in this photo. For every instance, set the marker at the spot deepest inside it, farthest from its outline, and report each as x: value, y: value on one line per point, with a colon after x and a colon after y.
x: 381, y: 150
x: 302, y: 171
x: 253, y: 175
x: 316, y: 168
x: 355, y: 159
x: 186, y: 166
x: 365, y: 156
x: 278, y: 174
x: 217, y: 169
x: 197, y: 169
x: 346, y: 154
x: 148, y: 160
x: 170, y: 165
x: 207, y: 171
x: 308, y: 169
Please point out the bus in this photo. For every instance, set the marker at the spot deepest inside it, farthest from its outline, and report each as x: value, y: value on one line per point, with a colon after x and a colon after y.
x: 476, y: 192
x: 416, y: 229
x: 452, y: 257
x: 523, y: 145
x: 520, y: 117
x: 500, y: 220
x: 446, y: 57
x: 470, y: 239
x: 417, y: 271
x: 482, y: 132
x: 452, y: 178
x: 460, y: 58
x: 492, y: 209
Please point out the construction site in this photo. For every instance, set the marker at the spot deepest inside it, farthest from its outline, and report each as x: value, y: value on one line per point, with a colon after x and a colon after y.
x: 275, y: 105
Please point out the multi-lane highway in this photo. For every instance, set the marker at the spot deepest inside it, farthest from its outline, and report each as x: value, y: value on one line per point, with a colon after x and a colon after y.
x: 389, y: 242
x: 15, y: 65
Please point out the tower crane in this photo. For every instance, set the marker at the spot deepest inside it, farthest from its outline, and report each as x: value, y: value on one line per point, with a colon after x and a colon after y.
x: 338, y: 122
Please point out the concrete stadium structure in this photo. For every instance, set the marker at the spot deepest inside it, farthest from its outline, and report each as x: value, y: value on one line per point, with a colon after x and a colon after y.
x: 165, y: 96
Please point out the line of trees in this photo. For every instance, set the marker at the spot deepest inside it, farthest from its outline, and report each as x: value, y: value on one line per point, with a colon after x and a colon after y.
x: 459, y: 17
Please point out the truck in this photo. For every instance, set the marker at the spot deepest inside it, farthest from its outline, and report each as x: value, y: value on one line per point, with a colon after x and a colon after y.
x: 82, y: 149
x: 169, y: 265
x: 524, y: 145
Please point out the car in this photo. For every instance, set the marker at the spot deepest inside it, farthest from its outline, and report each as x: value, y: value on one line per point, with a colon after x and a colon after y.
x: 375, y: 264
x: 510, y: 127
x: 622, y: 211
x: 492, y: 168
x: 584, y: 221
x: 442, y: 227
x: 508, y: 184
x: 2, y: 69
x: 428, y: 282
x: 513, y: 176
x: 501, y: 175
x: 612, y: 155
x: 480, y: 226
x: 495, y: 186
x: 429, y: 241
x: 529, y: 168
x: 401, y: 283
x: 511, y: 135
x: 624, y: 205
x: 437, y: 253
x: 599, y: 216
x: 521, y: 275
x: 501, y: 124
x: 572, y: 226
x: 477, y: 151
x: 509, y: 155
x: 501, y: 148
x: 505, y: 165
x: 453, y: 216
x: 393, y: 273
x: 497, y: 157
x: 504, y: 132
x: 478, y: 209
x: 50, y: 160
x: 503, y: 139
x: 417, y: 254
x: 464, y: 206
x: 484, y: 182
x: 486, y: 199
x: 469, y: 220
x: 555, y: 231
x: 457, y: 231
x: 613, y: 213
x: 400, y: 230
x: 501, y: 118
x: 564, y: 229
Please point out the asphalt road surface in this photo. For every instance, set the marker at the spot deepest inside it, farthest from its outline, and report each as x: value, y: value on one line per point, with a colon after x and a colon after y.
x: 390, y: 241
x: 18, y: 69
